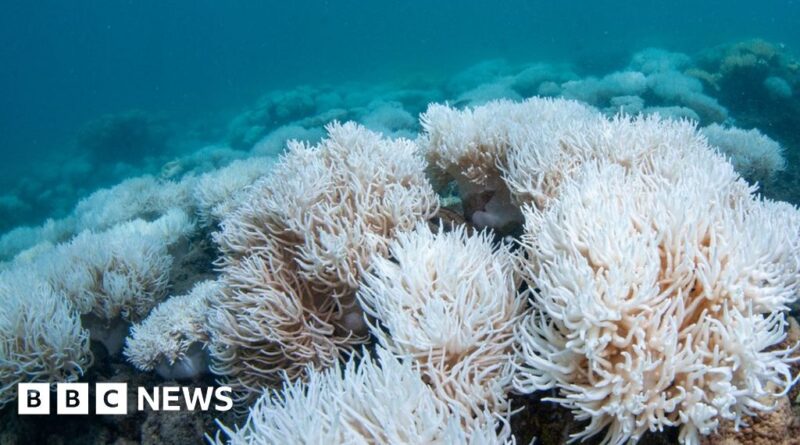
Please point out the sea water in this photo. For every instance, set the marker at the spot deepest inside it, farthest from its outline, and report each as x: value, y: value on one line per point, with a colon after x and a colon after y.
x: 191, y: 66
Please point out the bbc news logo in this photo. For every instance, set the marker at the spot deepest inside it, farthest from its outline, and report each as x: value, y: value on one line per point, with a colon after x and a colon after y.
x: 112, y: 398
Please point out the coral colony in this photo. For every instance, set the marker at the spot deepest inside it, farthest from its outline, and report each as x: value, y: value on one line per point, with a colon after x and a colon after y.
x: 602, y: 244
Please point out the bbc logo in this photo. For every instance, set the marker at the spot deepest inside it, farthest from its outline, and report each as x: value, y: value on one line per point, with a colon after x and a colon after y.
x: 112, y: 398
x: 73, y: 398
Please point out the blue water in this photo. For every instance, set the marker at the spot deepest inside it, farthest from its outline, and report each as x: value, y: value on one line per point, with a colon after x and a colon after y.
x: 197, y: 63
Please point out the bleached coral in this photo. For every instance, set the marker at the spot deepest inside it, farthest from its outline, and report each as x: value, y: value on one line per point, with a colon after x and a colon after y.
x: 214, y: 192
x: 630, y: 105
x: 53, y: 296
x: 389, y: 118
x: 541, y: 164
x: 296, y: 247
x: 478, y: 148
x: 658, y: 289
x: 142, y: 197
x: 273, y: 143
x: 41, y: 339
x: 754, y: 155
x: 672, y: 85
x: 673, y: 113
x: 267, y: 327
x: 478, y: 74
x: 332, y: 206
x: 655, y: 60
x: 112, y: 277
x: 449, y: 301
x: 530, y: 78
x: 23, y: 238
x: 679, y: 89
x: 599, y: 92
x: 171, y: 339
x: 707, y: 108
x: 487, y: 92
x: 369, y: 402
x: 120, y: 272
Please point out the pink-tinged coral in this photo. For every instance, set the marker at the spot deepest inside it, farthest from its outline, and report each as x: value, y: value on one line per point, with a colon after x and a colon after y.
x: 295, y: 248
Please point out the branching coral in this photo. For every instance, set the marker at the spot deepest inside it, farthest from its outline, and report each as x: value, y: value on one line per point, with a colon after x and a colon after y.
x: 171, y: 339
x: 449, y: 301
x: 41, y: 339
x: 296, y: 247
x: 369, y: 402
x: 658, y: 289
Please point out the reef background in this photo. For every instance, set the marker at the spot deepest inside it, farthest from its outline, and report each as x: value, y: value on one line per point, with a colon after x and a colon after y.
x: 191, y: 65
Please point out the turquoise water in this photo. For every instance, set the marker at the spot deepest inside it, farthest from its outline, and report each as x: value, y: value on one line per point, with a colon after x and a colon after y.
x: 194, y: 65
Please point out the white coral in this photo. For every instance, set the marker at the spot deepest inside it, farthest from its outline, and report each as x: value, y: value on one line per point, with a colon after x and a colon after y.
x: 172, y: 331
x: 122, y: 272
x: 369, y: 402
x: 659, y: 283
x: 450, y: 301
x: 214, y: 193
x: 41, y: 339
x: 478, y: 148
x: 754, y: 155
x: 295, y: 248
x: 144, y: 197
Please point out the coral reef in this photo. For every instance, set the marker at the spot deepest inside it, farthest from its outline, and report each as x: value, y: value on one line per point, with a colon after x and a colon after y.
x: 214, y: 192
x: 480, y: 149
x: 122, y: 272
x: 606, y: 263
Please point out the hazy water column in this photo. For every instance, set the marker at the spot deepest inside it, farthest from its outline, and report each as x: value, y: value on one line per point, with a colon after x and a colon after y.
x: 64, y: 63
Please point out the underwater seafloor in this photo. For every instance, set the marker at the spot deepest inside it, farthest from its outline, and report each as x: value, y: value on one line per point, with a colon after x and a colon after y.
x: 639, y: 281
